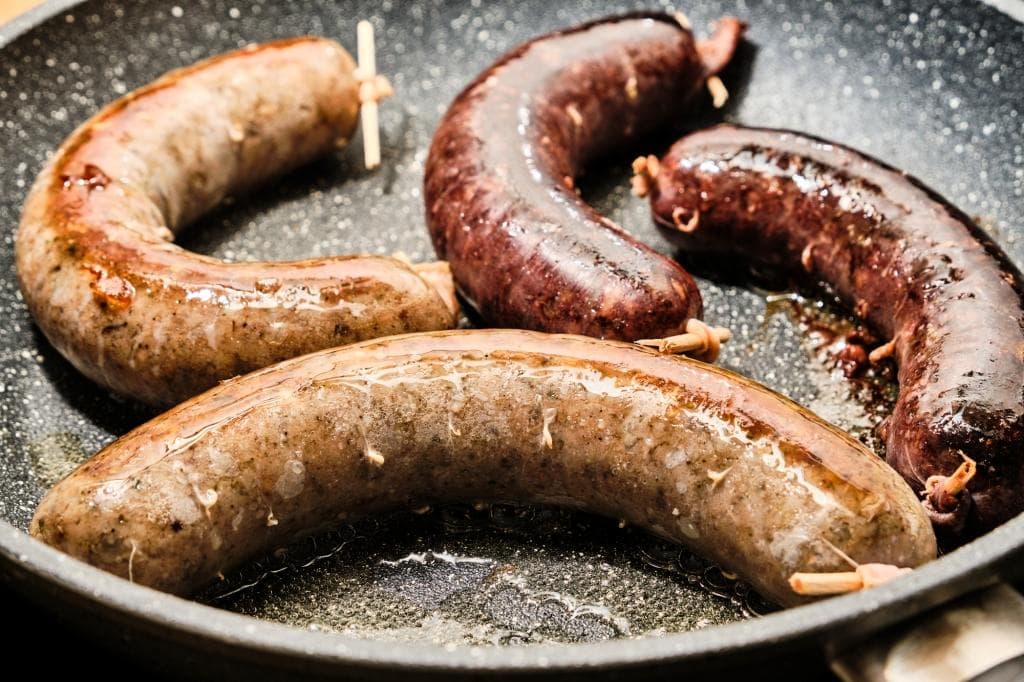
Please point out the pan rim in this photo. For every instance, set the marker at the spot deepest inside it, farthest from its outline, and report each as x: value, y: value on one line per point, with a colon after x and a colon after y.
x: 983, y: 561
x: 970, y: 567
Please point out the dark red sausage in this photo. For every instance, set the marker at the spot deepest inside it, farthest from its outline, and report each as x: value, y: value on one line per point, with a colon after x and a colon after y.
x: 910, y: 263
x: 525, y: 250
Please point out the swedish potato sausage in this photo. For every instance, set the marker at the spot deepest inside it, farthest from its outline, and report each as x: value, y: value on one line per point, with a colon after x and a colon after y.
x: 692, y: 452
x: 153, y: 322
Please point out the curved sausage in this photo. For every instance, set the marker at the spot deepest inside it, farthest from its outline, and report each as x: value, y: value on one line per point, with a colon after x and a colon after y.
x: 501, y: 205
x: 911, y: 264
x: 151, y: 321
x: 692, y: 452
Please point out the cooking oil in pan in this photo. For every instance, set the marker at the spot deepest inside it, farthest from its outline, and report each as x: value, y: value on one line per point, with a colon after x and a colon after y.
x: 488, y: 575
x: 55, y: 455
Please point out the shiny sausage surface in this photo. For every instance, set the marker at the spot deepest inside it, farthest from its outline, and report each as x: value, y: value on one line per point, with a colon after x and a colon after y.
x: 501, y: 203
x: 689, y: 451
x: 159, y: 324
x: 907, y: 261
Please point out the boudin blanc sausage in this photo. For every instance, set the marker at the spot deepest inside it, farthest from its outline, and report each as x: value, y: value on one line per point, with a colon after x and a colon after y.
x: 689, y: 451
x: 156, y: 323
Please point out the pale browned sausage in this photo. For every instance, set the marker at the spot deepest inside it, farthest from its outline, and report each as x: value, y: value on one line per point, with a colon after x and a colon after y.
x: 156, y: 323
x: 692, y: 452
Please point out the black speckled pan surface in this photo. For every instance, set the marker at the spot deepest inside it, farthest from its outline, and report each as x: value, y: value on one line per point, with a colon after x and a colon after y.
x: 934, y: 88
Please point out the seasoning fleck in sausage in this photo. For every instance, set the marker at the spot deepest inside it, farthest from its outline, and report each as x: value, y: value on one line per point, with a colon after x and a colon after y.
x: 690, y: 451
x: 911, y: 264
x: 153, y: 322
x: 501, y: 202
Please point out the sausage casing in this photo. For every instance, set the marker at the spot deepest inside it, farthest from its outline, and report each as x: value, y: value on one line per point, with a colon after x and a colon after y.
x: 156, y: 323
x: 526, y: 250
x: 907, y: 261
x: 692, y: 452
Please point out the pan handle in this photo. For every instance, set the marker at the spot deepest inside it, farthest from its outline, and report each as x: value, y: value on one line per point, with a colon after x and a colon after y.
x: 979, y: 636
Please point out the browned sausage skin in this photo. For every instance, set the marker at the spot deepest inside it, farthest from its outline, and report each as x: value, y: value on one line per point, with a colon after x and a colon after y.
x: 501, y: 206
x: 907, y: 261
x: 159, y: 324
x: 692, y: 452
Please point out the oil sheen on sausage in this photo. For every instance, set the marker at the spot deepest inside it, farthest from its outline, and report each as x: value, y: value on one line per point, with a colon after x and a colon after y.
x: 154, y: 322
x: 526, y: 250
x: 692, y: 452
x: 911, y: 264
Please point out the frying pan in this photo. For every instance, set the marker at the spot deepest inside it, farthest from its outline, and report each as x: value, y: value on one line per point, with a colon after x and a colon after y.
x: 937, y: 90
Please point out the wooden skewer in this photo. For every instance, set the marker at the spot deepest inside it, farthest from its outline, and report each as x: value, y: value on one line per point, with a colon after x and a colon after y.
x: 956, y: 483
x: 691, y: 224
x: 815, y: 584
x: 719, y: 93
x: 682, y: 20
x: 882, y: 352
x: 372, y: 88
x: 865, y: 576
x: 700, y: 340
x: 840, y: 553
x: 685, y: 343
x: 645, y: 172
x: 942, y: 491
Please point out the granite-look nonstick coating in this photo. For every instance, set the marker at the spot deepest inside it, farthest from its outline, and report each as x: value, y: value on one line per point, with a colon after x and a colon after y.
x: 937, y: 90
